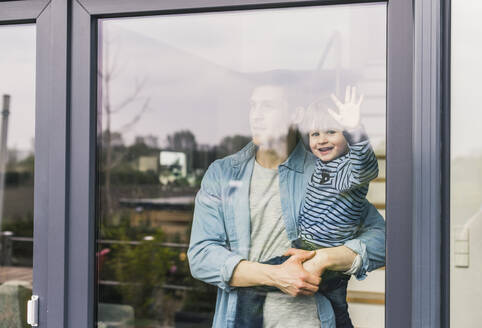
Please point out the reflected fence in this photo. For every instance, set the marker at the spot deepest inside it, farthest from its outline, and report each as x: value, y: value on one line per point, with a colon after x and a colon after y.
x: 177, y: 306
x: 100, y: 258
x: 7, y: 239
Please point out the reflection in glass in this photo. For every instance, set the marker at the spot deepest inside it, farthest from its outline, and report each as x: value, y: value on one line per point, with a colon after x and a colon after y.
x: 466, y: 166
x: 17, y: 92
x: 175, y: 96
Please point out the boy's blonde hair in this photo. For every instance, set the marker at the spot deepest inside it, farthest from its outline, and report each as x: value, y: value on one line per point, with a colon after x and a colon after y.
x: 317, y: 117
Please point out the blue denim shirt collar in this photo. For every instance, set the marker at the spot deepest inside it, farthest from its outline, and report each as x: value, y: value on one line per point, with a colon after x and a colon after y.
x: 295, y: 160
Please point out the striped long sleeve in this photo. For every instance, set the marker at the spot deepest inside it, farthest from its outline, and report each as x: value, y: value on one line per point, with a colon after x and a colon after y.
x: 335, y: 198
x: 358, y: 169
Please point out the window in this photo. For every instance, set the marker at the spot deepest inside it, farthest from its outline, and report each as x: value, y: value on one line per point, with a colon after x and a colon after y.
x: 178, y: 92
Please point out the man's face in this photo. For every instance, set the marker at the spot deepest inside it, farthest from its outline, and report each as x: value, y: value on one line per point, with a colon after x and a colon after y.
x: 268, y: 115
x: 328, y: 145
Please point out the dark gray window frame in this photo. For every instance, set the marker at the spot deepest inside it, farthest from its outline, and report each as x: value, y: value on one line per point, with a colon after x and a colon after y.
x: 18, y: 12
x: 417, y: 148
x: 51, y: 166
x: 445, y: 89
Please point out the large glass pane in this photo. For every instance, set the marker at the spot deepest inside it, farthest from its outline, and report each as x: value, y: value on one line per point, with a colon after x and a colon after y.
x: 17, y: 129
x: 466, y: 166
x: 178, y: 92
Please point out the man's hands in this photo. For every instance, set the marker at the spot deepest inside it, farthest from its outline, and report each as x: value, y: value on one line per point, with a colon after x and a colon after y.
x: 349, y: 112
x: 299, y: 275
x: 315, y: 265
x: 291, y: 278
x: 338, y: 258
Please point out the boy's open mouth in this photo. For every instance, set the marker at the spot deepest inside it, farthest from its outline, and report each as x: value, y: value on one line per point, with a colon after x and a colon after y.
x: 325, y: 150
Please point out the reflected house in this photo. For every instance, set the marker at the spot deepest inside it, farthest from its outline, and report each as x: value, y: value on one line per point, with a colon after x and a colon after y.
x: 172, y: 214
x: 173, y: 166
x: 148, y: 163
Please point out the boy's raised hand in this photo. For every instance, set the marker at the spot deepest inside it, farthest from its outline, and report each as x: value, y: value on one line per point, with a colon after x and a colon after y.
x: 349, y: 112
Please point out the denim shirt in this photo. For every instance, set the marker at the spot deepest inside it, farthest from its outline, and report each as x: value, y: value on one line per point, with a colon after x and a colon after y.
x: 220, y: 235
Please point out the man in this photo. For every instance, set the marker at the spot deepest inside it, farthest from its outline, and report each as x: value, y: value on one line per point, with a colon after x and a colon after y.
x: 246, y: 211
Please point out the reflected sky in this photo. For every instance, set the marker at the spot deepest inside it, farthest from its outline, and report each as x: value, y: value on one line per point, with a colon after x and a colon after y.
x: 260, y: 39
x: 17, y: 78
x: 201, y: 68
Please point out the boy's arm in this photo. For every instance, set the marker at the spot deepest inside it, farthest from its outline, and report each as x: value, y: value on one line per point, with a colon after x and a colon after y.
x: 361, y: 166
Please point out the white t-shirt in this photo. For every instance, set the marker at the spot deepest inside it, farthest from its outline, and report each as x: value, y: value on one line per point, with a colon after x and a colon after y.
x: 269, y: 239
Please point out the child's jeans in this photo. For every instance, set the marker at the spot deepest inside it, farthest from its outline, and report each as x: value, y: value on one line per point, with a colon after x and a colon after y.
x: 249, y: 308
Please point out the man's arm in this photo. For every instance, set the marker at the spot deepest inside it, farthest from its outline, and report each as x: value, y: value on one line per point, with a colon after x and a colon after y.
x: 289, y: 277
x: 210, y: 259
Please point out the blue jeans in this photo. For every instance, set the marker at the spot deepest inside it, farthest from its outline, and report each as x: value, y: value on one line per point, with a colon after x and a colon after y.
x: 249, y: 308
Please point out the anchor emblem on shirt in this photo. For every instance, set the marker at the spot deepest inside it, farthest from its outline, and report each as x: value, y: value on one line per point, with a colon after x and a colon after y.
x: 325, y: 177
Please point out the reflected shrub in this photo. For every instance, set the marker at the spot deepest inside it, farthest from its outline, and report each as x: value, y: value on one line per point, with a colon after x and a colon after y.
x: 141, y: 272
x: 15, y: 179
x: 152, y: 278
x: 21, y: 226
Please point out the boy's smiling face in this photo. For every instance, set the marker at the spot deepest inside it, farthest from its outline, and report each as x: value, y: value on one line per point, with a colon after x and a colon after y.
x: 328, y: 145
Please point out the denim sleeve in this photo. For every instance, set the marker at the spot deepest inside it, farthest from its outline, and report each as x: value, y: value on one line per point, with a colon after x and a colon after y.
x: 370, y: 242
x: 210, y: 259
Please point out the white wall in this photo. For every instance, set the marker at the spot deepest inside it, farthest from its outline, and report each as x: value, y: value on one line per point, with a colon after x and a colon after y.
x: 466, y: 165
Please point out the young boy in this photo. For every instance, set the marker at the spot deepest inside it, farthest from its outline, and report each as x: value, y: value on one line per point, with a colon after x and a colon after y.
x: 334, y: 201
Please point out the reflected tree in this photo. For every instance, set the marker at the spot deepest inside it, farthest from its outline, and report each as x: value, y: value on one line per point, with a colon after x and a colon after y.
x: 231, y: 144
x: 183, y: 140
x: 135, y: 101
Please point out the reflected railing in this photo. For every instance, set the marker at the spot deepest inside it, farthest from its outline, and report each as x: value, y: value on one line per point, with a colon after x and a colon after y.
x: 6, y: 246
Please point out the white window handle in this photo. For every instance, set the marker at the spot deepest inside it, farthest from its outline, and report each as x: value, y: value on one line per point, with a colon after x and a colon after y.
x: 32, y: 311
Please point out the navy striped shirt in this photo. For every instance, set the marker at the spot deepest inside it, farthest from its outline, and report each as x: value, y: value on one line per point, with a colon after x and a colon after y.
x: 335, y: 198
